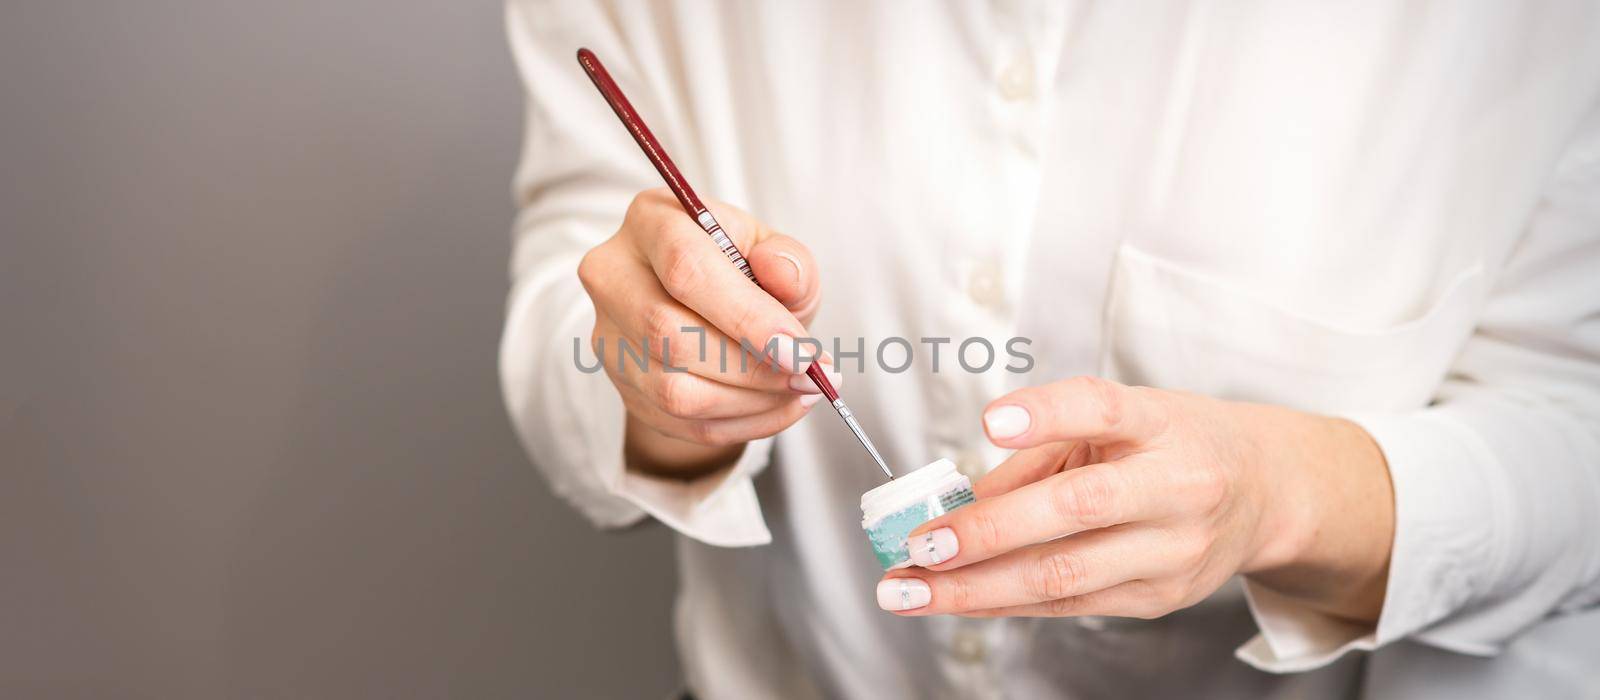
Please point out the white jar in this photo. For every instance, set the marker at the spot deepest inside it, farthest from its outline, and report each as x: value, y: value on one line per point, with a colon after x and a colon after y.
x: 890, y: 512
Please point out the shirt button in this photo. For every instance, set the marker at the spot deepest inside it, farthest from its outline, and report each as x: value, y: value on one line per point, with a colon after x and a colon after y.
x: 968, y: 647
x: 1016, y: 81
x: 984, y: 286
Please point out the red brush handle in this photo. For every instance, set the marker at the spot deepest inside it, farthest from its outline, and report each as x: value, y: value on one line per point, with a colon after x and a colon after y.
x: 820, y: 378
x: 641, y: 133
x: 679, y: 186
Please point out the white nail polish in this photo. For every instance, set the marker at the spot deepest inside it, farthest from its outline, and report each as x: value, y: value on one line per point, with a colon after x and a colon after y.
x: 803, y: 384
x: 903, y: 594
x: 1007, y: 421
x: 933, y: 547
x: 783, y: 353
x: 810, y: 400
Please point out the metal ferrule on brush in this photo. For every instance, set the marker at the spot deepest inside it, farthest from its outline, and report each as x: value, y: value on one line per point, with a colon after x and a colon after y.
x: 850, y: 420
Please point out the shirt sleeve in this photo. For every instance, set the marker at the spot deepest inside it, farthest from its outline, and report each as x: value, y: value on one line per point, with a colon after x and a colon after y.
x: 578, y: 172
x: 1497, y: 483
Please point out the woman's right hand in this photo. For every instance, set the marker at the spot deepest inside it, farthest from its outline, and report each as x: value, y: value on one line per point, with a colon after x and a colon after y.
x: 661, y: 278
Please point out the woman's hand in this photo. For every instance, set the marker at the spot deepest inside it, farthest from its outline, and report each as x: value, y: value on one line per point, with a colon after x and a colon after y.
x: 661, y: 280
x: 1136, y: 502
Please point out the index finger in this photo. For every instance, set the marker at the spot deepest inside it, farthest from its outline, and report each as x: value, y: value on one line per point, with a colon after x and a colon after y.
x: 695, y: 272
x: 1087, y: 498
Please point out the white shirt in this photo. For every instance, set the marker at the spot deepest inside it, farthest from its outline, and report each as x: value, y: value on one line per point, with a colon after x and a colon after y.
x: 1381, y: 210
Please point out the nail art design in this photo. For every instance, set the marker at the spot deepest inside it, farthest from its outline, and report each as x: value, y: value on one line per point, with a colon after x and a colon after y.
x: 901, y: 594
x: 934, y: 547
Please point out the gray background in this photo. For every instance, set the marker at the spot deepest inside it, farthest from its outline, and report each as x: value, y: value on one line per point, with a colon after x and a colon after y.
x: 251, y: 442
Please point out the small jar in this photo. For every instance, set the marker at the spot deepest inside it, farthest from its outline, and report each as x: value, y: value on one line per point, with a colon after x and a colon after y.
x: 890, y: 512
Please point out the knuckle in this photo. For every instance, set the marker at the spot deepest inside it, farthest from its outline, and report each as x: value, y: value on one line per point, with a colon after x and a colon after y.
x: 1150, y: 601
x: 1172, y: 596
x: 639, y: 207
x: 1057, y: 575
x: 677, y: 396
x: 985, y: 531
x: 660, y: 323
x: 1158, y: 599
x: 1107, y: 401
x: 718, y: 437
x: 661, y: 228
x: 1209, y: 487
x: 1085, y: 498
x: 704, y: 433
x: 681, y: 272
x: 677, y: 349
x: 588, y: 268
x: 957, y: 594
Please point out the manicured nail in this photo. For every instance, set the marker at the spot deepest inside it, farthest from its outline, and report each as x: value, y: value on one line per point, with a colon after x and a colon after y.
x: 1007, y: 421
x: 933, y: 547
x: 799, y: 272
x: 803, y: 384
x: 783, y: 353
x: 810, y: 400
x: 896, y: 594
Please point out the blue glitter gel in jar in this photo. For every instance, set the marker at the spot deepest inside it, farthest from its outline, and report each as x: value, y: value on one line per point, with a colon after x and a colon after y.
x: 890, y: 512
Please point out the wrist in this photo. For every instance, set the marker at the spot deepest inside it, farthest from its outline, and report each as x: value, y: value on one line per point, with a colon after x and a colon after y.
x: 1335, y: 517
x: 1282, y: 444
x: 648, y: 451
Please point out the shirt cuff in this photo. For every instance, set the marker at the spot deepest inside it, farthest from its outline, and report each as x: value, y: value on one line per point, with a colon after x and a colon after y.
x: 573, y: 425
x: 1294, y: 637
x: 719, y: 509
x: 1446, y: 514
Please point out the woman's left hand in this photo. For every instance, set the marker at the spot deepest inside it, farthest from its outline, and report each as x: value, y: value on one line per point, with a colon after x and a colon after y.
x: 1135, y: 502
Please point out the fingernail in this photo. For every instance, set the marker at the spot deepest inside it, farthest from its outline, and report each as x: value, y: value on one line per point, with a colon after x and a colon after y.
x: 933, y: 547
x: 810, y: 400
x: 783, y: 351
x: 802, y: 382
x: 903, y: 593
x: 799, y: 272
x: 1007, y: 421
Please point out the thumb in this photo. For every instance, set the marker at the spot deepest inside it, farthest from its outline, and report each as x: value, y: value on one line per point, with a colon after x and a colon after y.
x: 788, y: 272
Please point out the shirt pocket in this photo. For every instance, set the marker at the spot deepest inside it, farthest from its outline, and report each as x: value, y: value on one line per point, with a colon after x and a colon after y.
x: 1172, y: 327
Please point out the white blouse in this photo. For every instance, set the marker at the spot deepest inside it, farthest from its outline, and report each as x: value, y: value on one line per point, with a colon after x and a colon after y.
x: 1389, y: 211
